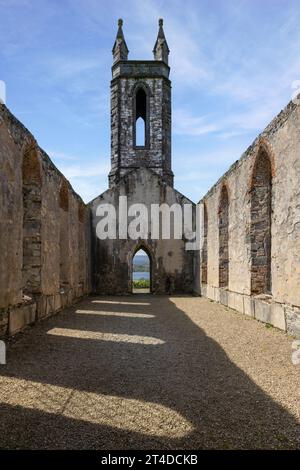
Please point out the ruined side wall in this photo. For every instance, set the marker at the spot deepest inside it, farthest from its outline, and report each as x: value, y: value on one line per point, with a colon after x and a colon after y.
x: 31, y: 232
x: 11, y: 205
x: 281, y: 306
x: 172, y: 265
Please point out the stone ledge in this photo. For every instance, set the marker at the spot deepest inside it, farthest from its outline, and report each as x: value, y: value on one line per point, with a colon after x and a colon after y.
x: 268, y: 311
x: 262, y: 308
x: 293, y: 321
x: 21, y: 316
x: 223, y: 296
x: 15, y: 318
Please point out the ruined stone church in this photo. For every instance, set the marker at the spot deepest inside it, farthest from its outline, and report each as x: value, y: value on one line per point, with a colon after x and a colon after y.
x: 249, y: 258
x: 141, y: 171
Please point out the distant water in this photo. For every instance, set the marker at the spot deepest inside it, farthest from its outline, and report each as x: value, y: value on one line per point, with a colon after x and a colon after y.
x: 137, y: 275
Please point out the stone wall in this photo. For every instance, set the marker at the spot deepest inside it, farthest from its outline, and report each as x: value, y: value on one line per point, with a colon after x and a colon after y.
x: 44, y: 234
x: 172, y: 266
x: 263, y: 228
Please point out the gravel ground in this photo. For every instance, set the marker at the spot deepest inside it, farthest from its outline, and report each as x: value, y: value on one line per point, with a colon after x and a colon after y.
x: 144, y: 372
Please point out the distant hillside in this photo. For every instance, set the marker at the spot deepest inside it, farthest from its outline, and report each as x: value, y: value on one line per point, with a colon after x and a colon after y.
x: 141, y: 264
x: 141, y: 260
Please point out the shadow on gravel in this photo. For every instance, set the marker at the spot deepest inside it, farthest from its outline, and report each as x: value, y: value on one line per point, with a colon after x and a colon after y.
x: 132, y: 373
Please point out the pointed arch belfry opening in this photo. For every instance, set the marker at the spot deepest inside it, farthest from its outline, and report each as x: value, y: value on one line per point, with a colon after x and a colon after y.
x: 261, y: 221
x: 141, y: 117
x: 140, y: 270
x: 224, y: 238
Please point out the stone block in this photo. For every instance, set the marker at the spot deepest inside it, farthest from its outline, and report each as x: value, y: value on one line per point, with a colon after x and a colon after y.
x: 70, y: 298
x: 211, y: 292
x: 4, y: 315
x: 42, y: 307
x: 293, y: 321
x: 57, y: 302
x: 239, y: 302
x: 53, y: 304
x: 270, y: 312
x: 278, y: 316
x: 263, y: 311
x: 21, y: 316
x: 249, y: 306
x: 236, y: 301
x: 79, y: 291
x: 223, y: 294
x: 217, y: 294
x: 204, y: 290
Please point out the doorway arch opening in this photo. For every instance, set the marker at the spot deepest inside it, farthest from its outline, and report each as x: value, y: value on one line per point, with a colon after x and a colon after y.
x: 141, y: 271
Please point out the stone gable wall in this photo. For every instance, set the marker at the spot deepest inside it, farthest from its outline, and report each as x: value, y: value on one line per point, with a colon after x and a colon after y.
x: 172, y: 265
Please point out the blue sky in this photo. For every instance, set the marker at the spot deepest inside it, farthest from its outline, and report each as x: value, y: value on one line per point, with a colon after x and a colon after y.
x: 232, y: 62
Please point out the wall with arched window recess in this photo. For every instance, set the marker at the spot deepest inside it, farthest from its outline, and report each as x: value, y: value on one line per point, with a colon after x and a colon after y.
x: 32, y: 205
x: 64, y: 237
x: 83, y: 246
x: 261, y: 222
x: 204, y: 246
x: 263, y: 237
x: 224, y: 238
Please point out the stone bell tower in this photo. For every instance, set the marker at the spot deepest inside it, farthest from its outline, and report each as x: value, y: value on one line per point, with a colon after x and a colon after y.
x: 140, y: 104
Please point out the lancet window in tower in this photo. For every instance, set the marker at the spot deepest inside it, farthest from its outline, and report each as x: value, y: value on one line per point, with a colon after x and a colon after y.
x: 141, y: 118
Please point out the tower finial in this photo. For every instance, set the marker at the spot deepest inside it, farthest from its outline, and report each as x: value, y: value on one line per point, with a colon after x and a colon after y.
x: 161, y: 49
x: 120, y: 49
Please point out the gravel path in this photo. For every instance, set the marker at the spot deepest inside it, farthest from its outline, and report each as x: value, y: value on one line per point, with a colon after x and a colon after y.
x: 149, y: 372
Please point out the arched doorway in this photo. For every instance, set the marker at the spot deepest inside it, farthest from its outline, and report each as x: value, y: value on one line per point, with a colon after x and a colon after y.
x: 141, y: 271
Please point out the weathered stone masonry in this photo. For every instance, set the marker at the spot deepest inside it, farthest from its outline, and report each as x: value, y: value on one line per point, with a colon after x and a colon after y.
x: 250, y: 252
x: 44, y: 235
x: 128, y: 80
x: 49, y: 257
x: 141, y: 173
x: 172, y: 265
x: 263, y: 228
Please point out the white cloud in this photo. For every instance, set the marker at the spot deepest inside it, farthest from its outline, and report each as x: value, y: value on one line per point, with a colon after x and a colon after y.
x: 88, y: 180
x: 188, y: 124
x: 83, y: 171
x: 63, y: 67
x: 231, y: 68
x: 62, y: 156
x: 89, y: 188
